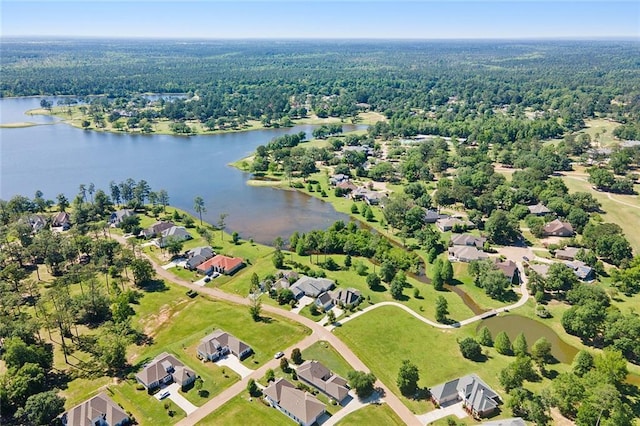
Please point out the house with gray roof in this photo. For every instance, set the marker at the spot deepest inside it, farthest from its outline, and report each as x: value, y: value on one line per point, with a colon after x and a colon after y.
x: 539, y: 209
x: 541, y: 269
x: 468, y: 240
x: 346, y: 297
x: 198, y: 255
x: 220, y: 343
x: 567, y: 253
x: 325, y: 381
x: 448, y: 223
x: 466, y: 254
x: 97, y: 411
x: 37, y: 222
x: 301, y: 406
x: 164, y: 369
x: 431, y: 216
x: 324, y: 301
x: 476, y: 396
x: 583, y: 271
x: 119, y: 215
x: 312, y: 287
x: 338, y: 178
x: 179, y: 233
x: 156, y: 229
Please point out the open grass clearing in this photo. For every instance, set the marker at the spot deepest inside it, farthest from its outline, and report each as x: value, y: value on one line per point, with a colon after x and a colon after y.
x: 372, y: 414
x: 146, y: 409
x: 252, y: 411
x: 325, y: 353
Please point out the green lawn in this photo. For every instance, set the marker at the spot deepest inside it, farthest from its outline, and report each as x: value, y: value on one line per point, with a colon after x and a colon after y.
x: 328, y: 356
x: 78, y: 390
x: 146, y: 409
x: 600, y: 130
x: 372, y: 414
x: 242, y: 411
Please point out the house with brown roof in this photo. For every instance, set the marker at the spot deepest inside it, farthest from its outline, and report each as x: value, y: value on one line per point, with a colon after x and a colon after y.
x: 558, y: 228
x: 467, y: 240
x: 476, y: 396
x: 346, y: 186
x: 97, y: 411
x: 164, y: 369
x: 466, y: 254
x: 325, y: 381
x: 61, y: 220
x: 567, y: 253
x: 541, y: 269
x: 222, y: 264
x: 220, y: 343
x: 156, y: 229
x: 539, y: 209
x: 301, y: 406
x: 510, y: 270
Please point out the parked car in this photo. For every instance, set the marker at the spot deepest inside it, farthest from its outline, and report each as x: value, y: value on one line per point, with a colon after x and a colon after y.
x: 207, y: 279
x: 278, y: 355
x: 164, y: 394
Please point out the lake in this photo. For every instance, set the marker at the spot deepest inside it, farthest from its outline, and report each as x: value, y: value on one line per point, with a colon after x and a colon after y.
x: 57, y: 158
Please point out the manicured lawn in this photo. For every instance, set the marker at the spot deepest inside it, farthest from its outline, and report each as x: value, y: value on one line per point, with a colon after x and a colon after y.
x: 241, y: 410
x: 146, y: 409
x: 372, y: 414
x: 603, y: 128
x: 79, y: 390
x: 461, y: 273
x: 329, y: 357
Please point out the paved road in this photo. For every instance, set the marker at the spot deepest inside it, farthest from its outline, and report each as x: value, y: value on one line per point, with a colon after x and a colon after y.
x: 318, y: 333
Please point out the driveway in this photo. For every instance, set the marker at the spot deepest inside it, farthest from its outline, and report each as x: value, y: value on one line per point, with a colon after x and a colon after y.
x: 336, y: 311
x: 353, y: 403
x: 175, y: 396
x: 441, y: 413
x: 181, y: 261
x: 304, y: 301
x: 234, y: 363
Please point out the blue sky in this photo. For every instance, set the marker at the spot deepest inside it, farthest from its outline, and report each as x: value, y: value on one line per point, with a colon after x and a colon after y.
x: 328, y: 19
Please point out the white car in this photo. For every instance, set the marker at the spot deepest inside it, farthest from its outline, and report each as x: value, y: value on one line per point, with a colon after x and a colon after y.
x: 279, y: 355
x: 164, y: 394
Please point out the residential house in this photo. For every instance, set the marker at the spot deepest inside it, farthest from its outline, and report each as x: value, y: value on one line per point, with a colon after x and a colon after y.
x: 347, y: 186
x: 476, y: 396
x: 448, y: 223
x: 288, y: 275
x: 370, y: 197
x: 466, y: 253
x: 97, y: 411
x: 558, y: 228
x: 539, y: 209
x: 37, y: 222
x: 222, y: 264
x: 541, y: 269
x: 118, y: 216
x: 197, y: 256
x: 156, y: 229
x: 312, y: 287
x: 509, y: 269
x: 583, y: 271
x: 431, y: 216
x: 220, y: 343
x: 61, y: 220
x: 301, y: 406
x: 164, y: 369
x: 179, y: 233
x: 338, y: 178
x: 468, y: 240
x: 324, y: 301
x: 346, y: 297
x: 324, y: 380
x: 567, y: 253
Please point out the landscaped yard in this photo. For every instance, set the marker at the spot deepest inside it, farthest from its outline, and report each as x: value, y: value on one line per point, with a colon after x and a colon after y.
x: 146, y: 409
x: 329, y: 357
x: 241, y: 410
x: 372, y: 414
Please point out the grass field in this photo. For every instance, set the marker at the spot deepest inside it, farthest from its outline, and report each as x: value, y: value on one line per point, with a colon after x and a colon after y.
x: 329, y: 357
x: 241, y: 410
x: 146, y: 409
x: 600, y: 130
x: 372, y: 414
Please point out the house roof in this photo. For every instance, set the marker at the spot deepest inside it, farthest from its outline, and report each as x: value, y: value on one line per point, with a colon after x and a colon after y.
x: 479, y: 396
x: 568, y: 252
x: 311, y: 286
x: 157, y: 368
x: 204, y: 252
x: 176, y: 232
x: 100, y: 405
x: 557, y: 226
x: 61, y: 218
x: 445, y: 390
x: 508, y: 267
x: 346, y: 184
x: 324, y: 298
x: 222, y: 262
x: 219, y: 338
x: 433, y: 215
x: 539, y: 209
x: 541, y: 269
x: 320, y: 376
x: 346, y: 296
x: 121, y: 214
x: 183, y: 375
x: 301, y: 404
x: 467, y: 253
x: 581, y: 269
x: 450, y: 222
x: 467, y: 240
x: 157, y: 228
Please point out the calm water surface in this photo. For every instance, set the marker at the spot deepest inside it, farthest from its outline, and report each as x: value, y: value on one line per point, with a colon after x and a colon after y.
x: 57, y: 158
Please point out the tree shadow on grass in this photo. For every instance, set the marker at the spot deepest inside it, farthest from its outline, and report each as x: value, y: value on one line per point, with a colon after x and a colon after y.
x: 154, y: 286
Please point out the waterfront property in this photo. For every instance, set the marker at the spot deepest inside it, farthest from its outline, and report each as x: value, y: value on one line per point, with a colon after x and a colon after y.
x: 97, y: 411
x: 197, y: 256
x: 118, y: 216
x: 219, y: 344
x: 156, y: 229
x: 476, y: 396
x: 164, y: 369
x: 222, y: 264
x: 301, y: 406
x: 325, y: 381
x: 179, y: 233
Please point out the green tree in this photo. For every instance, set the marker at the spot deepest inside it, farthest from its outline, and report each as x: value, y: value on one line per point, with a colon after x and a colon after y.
x: 484, y: 336
x: 520, y: 346
x: 447, y: 271
x: 296, y: 356
x: 373, y: 280
x: 408, y: 377
x: 442, y: 309
x: 142, y: 271
x: 437, y: 280
x: 501, y: 229
x: 41, y: 408
x: 502, y: 344
x: 199, y: 207
x: 255, y: 308
x: 362, y: 382
x: 270, y: 375
x: 470, y: 349
x: 278, y: 259
x: 331, y: 317
x: 560, y: 278
x: 252, y: 388
x: 541, y: 351
x: 284, y: 365
x: 567, y: 391
x: 612, y: 366
x: 235, y: 238
x: 582, y: 363
x: 174, y: 245
x: 387, y: 271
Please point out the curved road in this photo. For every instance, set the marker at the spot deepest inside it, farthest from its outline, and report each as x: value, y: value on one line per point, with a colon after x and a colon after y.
x: 318, y: 333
